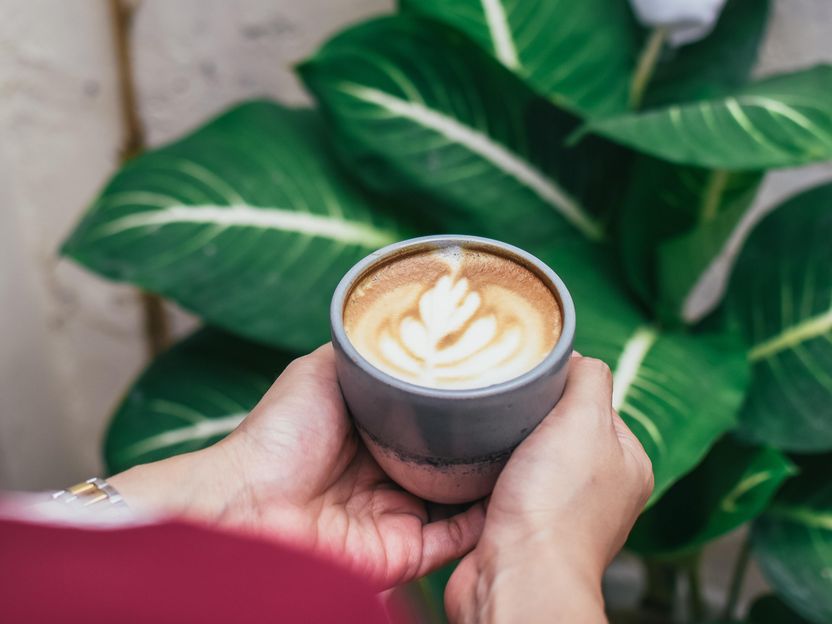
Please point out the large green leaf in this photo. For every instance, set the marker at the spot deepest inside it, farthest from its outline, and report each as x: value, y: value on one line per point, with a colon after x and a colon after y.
x: 247, y: 222
x: 781, y: 296
x: 420, y: 113
x: 190, y: 397
x: 720, y: 62
x: 432, y: 589
x: 782, y: 121
x: 678, y: 391
x: 731, y: 486
x: 674, y: 222
x: 793, y: 543
x: 578, y: 54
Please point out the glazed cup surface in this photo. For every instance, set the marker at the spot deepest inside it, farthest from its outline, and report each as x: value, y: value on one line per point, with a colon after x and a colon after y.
x: 447, y: 445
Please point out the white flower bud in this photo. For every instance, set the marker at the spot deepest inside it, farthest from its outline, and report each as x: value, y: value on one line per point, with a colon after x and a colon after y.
x: 686, y: 20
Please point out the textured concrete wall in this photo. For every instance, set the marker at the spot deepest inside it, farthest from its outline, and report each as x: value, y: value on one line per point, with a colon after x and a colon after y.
x: 71, y: 342
x: 195, y: 57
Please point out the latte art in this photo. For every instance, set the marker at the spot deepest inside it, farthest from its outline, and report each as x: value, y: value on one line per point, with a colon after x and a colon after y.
x: 453, y: 318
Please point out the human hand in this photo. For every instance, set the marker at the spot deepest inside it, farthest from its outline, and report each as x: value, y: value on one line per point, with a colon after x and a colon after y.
x: 296, y: 471
x: 560, y: 511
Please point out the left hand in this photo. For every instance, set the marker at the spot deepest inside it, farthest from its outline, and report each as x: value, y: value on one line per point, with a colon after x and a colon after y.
x: 296, y: 471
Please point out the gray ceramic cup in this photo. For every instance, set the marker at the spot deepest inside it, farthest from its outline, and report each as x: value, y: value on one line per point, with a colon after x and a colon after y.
x: 446, y: 445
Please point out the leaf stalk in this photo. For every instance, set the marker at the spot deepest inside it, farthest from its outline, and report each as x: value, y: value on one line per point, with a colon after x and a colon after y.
x: 737, y: 578
x: 712, y: 198
x: 646, y: 66
x: 156, y: 325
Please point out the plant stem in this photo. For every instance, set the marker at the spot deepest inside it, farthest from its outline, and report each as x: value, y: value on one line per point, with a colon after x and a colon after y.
x: 696, y: 601
x: 156, y: 326
x: 122, y: 15
x: 712, y: 197
x: 740, y: 568
x: 661, y: 587
x: 646, y: 65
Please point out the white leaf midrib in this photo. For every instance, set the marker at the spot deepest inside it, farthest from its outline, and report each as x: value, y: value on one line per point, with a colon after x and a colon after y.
x: 630, y: 361
x: 789, y: 337
x: 201, y: 430
x: 806, y: 516
x: 711, y: 283
x: 244, y: 215
x: 729, y: 503
x: 481, y: 144
x: 500, y: 31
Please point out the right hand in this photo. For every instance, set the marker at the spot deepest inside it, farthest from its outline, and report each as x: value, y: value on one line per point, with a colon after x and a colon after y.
x: 560, y: 511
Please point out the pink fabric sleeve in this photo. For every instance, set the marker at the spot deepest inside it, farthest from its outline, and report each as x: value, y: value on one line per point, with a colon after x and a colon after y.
x: 171, y: 572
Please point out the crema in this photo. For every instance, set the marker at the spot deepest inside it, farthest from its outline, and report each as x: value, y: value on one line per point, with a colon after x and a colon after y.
x: 453, y: 317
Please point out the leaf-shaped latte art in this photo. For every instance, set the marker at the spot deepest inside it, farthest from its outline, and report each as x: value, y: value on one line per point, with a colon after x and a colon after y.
x: 449, y: 340
x: 443, y: 330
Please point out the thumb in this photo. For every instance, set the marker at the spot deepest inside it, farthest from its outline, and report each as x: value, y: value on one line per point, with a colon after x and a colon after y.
x: 452, y: 538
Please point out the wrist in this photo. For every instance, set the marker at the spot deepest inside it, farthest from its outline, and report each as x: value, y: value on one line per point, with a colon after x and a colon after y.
x: 536, y: 579
x: 198, y: 486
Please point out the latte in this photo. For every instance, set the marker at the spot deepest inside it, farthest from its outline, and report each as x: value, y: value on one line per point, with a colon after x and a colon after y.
x: 453, y: 317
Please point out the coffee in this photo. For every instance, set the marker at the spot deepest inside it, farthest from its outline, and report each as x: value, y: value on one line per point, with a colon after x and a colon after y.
x: 452, y: 318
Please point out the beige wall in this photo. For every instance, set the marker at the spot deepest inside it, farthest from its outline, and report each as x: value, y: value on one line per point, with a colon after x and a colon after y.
x: 70, y: 341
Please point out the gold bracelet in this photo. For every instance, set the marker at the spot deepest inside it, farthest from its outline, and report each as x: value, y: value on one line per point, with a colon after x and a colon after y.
x: 93, y: 494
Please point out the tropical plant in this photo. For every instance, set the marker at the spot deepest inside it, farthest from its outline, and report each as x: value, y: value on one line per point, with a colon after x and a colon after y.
x: 628, y: 165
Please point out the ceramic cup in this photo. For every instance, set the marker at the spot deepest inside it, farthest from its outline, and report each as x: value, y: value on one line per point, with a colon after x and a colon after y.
x: 446, y: 445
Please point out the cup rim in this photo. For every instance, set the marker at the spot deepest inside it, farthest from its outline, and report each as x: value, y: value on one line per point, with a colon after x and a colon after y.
x: 560, y: 352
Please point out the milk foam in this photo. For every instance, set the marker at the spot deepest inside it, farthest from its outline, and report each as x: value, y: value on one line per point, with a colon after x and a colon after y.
x: 453, y: 318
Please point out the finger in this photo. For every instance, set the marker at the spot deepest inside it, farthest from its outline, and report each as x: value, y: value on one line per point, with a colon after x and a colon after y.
x: 632, y: 445
x: 589, y: 382
x: 583, y: 413
x: 452, y: 538
x: 440, y: 511
x: 307, y: 377
x: 587, y: 399
x: 621, y: 428
x: 628, y: 439
x: 319, y: 364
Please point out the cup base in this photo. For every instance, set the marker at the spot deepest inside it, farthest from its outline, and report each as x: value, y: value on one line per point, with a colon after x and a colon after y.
x: 449, y: 483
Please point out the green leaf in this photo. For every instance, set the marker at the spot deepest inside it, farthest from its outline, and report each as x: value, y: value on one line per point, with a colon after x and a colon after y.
x: 674, y: 222
x: 189, y: 397
x: 420, y: 113
x: 720, y: 62
x: 793, y: 544
x: 580, y: 55
x: 678, y: 391
x: 432, y: 590
x: 781, y: 296
x: 770, y: 609
x: 246, y: 222
x: 782, y: 121
x: 731, y: 486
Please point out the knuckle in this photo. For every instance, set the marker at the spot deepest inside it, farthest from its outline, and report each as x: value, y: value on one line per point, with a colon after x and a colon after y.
x: 649, y: 484
x: 645, y: 471
x: 295, y: 365
x: 302, y: 363
x: 456, y: 533
x: 598, y: 367
x: 641, y: 465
